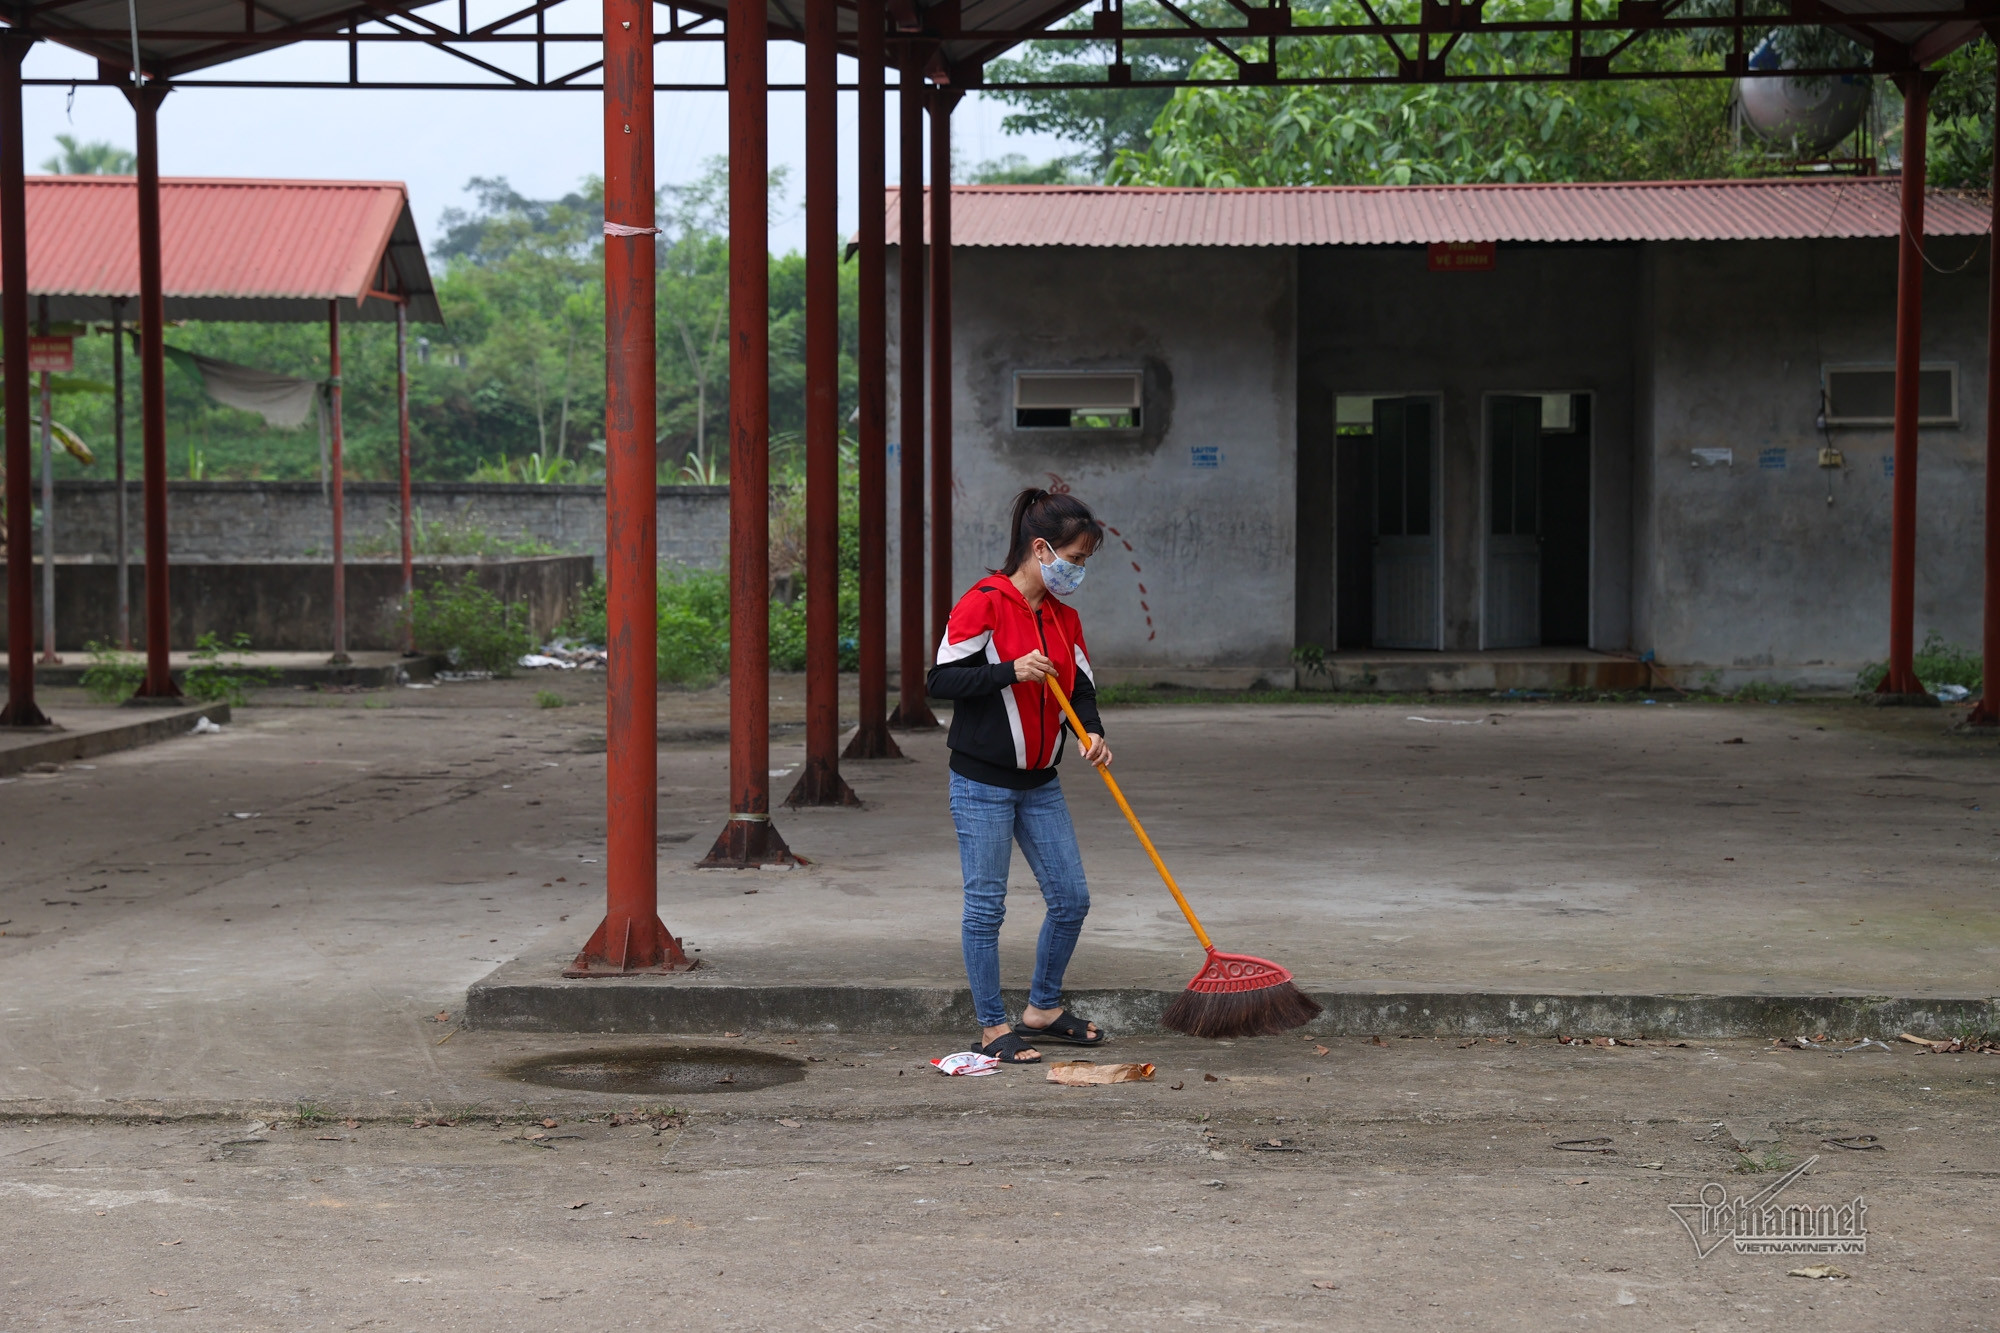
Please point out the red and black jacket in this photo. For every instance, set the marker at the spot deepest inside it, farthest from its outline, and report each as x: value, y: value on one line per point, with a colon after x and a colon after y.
x: 1004, y: 732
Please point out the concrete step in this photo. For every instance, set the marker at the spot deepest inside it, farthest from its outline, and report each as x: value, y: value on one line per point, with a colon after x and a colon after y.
x: 80, y: 734
x: 532, y: 995
x: 1526, y: 669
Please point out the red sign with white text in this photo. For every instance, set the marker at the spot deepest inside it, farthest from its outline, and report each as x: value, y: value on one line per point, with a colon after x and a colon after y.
x: 55, y: 353
x: 1462, y: 257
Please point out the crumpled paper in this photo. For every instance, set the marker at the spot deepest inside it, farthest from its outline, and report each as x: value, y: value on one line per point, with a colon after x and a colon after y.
x: 966, y: 1064
x: 1086, y: 1073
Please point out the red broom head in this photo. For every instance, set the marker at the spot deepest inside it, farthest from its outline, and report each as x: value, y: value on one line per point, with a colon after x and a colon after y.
x: 1228, y: 973
x: 1235, y: 995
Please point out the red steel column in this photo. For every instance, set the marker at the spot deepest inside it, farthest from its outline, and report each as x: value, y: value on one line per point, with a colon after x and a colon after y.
x: 1901, y: 678
x: 159, y: 683
x: 339, y: 487
x: 48, y: 657
x: 749, y: 839
x: 1986, y: 711
x: 21, y: 710
x: 912, y: 711
x: 943, y: 585
x: 872, y: 740
x: 403, y: 472
x: 118, y: 445
x: 631, y: 938
x: 820, y: 783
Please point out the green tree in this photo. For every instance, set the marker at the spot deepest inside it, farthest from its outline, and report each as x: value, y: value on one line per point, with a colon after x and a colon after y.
x: 96, y: 158
x: 534, y: 273
x: 1961, y: 144
x: 1105, y: 121
x: 1016, y: 169
x: 1404, y: 134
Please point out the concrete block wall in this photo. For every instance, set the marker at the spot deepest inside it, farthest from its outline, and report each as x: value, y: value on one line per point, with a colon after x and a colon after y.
x: 1772, y: 567
x: 287, y: 606
x: 291, y: 520
x: 1198, y: 582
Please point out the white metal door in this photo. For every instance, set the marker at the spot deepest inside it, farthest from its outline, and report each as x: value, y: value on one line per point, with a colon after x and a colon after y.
x: 1513, y: 530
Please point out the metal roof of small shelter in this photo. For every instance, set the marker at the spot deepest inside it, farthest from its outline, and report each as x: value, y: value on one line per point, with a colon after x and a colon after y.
x: 1750, y: 210
x: 269, y: 251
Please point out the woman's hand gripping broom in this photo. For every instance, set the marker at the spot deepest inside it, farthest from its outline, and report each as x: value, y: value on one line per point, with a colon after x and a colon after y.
x: 1234, y: 995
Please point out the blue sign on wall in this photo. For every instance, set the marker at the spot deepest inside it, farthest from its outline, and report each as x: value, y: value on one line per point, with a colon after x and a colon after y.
x: 1772, y: 460
x: 1204, y: 455
x: 1888, y: 465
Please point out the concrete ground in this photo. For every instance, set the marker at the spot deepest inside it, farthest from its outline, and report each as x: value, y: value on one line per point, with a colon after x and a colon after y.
x: 267, y: 925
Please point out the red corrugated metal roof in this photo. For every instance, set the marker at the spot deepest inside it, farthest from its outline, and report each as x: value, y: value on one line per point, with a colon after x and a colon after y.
x: 1759, y: 210
x: 260, y: 248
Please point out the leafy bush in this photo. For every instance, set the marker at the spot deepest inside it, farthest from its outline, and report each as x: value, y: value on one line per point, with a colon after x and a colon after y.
x: 211, y: 677
x: 548, y: 699
x: 693, y: 625
x: 1937, y: 662
x: 112, y: 677
x: 477, y: 630
x: 585, y: 622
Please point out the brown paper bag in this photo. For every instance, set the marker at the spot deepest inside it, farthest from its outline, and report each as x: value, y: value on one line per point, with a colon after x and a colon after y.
x: 1084, y: 1073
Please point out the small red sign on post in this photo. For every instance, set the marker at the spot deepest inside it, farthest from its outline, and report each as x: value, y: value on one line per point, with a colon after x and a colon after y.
x: 1461, y: 257
x: 54, y: 353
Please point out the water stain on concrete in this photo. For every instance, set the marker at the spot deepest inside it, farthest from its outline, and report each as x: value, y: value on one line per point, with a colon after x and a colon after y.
x: 659, y: 1069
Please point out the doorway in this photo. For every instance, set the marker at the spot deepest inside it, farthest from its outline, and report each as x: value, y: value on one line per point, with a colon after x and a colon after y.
x: 1386, y: 586
x: 1538, y: 520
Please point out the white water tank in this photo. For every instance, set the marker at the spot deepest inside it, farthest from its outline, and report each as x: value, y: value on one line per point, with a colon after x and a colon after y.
x: 1809, y: 116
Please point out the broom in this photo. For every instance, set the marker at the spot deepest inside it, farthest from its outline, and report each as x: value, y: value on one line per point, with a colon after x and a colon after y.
x: 1234, y: 995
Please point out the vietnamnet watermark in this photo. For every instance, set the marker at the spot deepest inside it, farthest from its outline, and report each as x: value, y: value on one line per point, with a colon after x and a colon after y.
x: 1760, y: 1224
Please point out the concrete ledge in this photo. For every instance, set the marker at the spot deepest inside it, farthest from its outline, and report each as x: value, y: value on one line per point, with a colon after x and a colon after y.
x: 370, y: 674
x: 525, y: 996
x: 142, y: 728
x: 1202, y: 678
x: 1446, y: 673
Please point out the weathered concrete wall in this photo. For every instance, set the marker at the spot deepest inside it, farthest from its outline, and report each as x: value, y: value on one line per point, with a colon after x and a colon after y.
x: 1773, y: 567
x: 286, y: 520
x: 1376, y: 320
x: 286, y: 606
x: 1203, y: 553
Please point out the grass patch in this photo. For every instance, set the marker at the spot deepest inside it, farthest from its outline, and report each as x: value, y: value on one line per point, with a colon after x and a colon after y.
x: 1758, y: 1162
x: 217, y: 675
x: 310, y: 1113
x: 548, y: 699
x: 1938, y: 663
x: 112, y: 677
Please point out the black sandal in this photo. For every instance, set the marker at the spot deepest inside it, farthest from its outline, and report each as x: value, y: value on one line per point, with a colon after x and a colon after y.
x: 1067, y: 1029
x: 1007, y: 1047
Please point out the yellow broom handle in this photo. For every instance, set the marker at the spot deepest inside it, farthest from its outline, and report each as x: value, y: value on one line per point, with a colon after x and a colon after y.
x: 1083, y: 739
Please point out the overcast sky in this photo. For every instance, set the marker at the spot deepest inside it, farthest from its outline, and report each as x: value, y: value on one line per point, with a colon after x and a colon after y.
x: 542, y: 142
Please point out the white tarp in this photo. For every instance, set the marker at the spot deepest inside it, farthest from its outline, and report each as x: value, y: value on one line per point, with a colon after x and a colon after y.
x: 282, y: 400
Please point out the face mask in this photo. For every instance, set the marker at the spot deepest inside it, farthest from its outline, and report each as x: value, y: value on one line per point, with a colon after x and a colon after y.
x: 1061, y: 577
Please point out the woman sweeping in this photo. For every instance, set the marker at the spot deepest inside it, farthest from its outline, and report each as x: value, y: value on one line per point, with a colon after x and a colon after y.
x: 1005, y: 637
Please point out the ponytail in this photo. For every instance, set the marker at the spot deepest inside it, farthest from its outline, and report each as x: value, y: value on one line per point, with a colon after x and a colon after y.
x: 1057, y: 519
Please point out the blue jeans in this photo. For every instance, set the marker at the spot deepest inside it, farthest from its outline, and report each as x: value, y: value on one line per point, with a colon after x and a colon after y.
x: 989, y: 821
